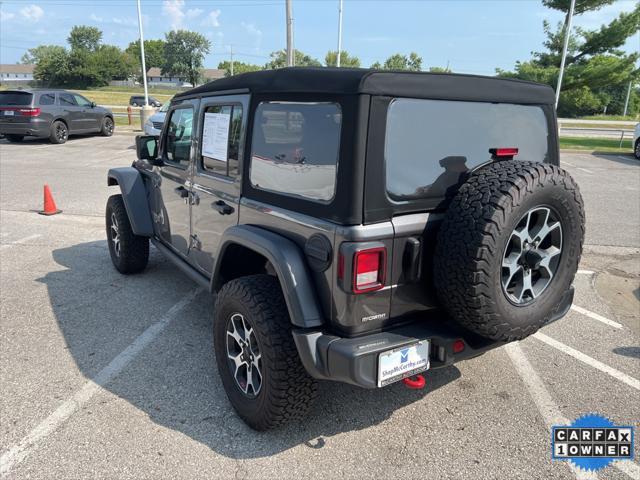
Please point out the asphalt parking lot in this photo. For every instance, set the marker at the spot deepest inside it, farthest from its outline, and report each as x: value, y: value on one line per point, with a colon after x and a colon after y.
x: 107, y: 376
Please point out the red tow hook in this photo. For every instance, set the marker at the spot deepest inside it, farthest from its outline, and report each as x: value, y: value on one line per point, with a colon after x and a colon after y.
x: 414, y: 383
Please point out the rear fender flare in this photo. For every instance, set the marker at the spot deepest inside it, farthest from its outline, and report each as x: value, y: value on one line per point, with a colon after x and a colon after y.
x: 290, y: 267
x: 134, y: 195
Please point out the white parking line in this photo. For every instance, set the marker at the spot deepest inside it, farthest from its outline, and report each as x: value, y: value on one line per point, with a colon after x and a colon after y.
x: 617, y: 374
x: 546, y: 406
x: 586, y: 170
x: 19, y: 452
x: 19, y: 242
x: 567, y: 163
x: 595, y: 316
x: 550, y: 411
x: 585, y: 272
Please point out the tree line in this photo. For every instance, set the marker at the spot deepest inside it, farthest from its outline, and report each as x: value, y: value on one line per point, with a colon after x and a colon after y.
x: 596, y: 77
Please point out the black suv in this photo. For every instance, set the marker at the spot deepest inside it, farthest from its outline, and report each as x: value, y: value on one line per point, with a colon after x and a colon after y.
x: 354, y: 225
x: 55, y: 114
x: 138, y: 101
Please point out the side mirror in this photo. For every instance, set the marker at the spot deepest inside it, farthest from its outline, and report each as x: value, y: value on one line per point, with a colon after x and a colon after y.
x: 147, y: 148
x: 93, y: 104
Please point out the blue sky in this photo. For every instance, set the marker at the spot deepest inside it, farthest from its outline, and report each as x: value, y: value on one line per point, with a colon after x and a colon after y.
x: 473, y: 36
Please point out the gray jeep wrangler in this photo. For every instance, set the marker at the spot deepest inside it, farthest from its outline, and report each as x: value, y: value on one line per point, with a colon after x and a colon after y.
x: 355, y: 225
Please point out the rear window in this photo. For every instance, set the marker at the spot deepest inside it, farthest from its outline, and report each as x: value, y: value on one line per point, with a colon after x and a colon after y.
x: 430, y: 143
x: 295, y: 149
x: 15, y: 98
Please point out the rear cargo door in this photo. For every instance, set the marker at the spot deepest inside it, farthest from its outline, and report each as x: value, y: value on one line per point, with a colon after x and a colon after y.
x: 11, y: 102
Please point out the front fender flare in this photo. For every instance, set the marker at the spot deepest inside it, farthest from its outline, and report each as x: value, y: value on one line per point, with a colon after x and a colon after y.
x: 134, y: 195
x: 289, y: 264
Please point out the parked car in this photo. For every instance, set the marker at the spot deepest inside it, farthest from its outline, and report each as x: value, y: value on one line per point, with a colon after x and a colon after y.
x: 55, y: 114
x: 356, y: 226
x: 153, y: 126
x: 636, y: 141
x: 138, y: 101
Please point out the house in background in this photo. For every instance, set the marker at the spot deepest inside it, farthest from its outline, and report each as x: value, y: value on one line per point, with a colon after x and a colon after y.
x: 16, y: 74
x: 156, y: 79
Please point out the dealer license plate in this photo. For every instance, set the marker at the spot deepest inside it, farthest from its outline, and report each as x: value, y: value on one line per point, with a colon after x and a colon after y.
x: 9, y: 113
x: 403, y: 362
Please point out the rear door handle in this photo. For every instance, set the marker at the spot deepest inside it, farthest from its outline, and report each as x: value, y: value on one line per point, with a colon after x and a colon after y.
x: 223, y: 208
x: 181, y: 191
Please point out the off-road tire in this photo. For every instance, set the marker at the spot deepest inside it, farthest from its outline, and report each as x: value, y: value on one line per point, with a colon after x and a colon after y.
x: 59, y: 132
x: 472, y: 239
x: 287, y: 390
x: 108, y: 127
x: 133, y: 253
x: 14, y: 138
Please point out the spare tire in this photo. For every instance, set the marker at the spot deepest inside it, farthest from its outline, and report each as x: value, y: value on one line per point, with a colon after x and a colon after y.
x: 509, y: 247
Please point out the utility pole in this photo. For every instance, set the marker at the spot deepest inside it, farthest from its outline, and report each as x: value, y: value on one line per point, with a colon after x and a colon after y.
x: 290, y: 55
x: 144, y: 66
x: 567, y: 35
x: 231, y: 47
x: 626, y: 102
x: 339, y: 33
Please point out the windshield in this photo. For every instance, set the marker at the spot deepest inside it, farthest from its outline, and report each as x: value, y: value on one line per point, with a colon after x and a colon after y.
x: 431, y: 144
x: 16, y: 98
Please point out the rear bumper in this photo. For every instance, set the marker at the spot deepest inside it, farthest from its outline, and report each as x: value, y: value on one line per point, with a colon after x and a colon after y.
x: 33, y: 128
x: 355, y: 360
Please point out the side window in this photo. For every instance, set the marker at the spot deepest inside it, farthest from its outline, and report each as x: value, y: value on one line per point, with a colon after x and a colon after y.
x: 83, y: 102
x: 221, y: 130
x: 47, y: 99
x: 67, y: 100
x: 295, y: 149
x: 178, y: 141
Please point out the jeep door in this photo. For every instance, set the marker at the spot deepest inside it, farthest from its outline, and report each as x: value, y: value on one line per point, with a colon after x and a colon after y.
x: 216, y: 181
x: 170, y: 201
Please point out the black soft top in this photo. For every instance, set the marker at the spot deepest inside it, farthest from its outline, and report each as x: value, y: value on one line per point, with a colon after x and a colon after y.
x: 354, y: 81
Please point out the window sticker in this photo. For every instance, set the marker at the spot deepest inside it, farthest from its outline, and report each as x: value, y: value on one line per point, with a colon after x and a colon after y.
x: 215, y: 135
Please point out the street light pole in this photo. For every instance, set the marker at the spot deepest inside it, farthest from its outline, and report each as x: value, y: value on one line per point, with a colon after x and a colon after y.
x: 626, y: 102
x: 231, y: 47
x: 144, y: 66
x: 567, y: 35
x: 339, y: 33
x: 290, y: 58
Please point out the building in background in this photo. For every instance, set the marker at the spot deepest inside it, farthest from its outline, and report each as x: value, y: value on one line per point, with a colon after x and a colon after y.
x: 156, y: 79
x: 17, y: 75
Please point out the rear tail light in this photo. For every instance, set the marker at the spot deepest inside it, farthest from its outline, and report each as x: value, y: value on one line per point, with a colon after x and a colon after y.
x: 503, y: 152
x: 369, y: 269
x: 29, y: 112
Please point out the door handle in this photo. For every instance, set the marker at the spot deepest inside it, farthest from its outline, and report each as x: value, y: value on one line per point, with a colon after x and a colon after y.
x: 181, y: 191
x: 223, y: 208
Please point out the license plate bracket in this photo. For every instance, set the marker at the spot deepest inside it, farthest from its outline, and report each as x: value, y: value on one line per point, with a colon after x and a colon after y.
x: 403, y: 362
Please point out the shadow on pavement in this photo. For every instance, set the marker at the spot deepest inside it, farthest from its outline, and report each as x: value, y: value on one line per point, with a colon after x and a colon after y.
x: 633, y: 352
x: 624, y: 158
x: 174, y: 381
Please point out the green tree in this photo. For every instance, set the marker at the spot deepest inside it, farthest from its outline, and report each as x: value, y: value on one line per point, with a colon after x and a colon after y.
x: 397, y: 61
x: 52, y: 66
x: 84, y: 37
x: 184, y: 52
x: 153, y: 53
x: 346, y: 60
x: 34, y: 55
x: 594, y: 59
x: 238, y: 67
x: 439, y: 69
x: 301, y: 59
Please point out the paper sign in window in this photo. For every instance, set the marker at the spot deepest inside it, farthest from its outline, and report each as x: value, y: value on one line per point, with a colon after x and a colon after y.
x: 215, y: 135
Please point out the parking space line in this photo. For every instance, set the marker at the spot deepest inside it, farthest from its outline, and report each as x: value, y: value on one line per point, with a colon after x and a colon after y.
x: 585, y: 272
x: 20, y: 241
x: 567, y: 163
x: 592, y: 362
x: 586, y: 170
x: 19, y: 452
x: 550, y: 412
x: 595, y: 316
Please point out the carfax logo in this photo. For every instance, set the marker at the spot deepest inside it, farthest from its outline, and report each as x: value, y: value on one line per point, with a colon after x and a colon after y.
x: 592, y: 442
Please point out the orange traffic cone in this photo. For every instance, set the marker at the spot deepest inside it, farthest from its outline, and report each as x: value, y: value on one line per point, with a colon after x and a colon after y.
x: 49, y: 204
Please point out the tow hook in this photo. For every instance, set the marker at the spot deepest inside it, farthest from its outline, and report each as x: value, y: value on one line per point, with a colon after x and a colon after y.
x: 416, y: 382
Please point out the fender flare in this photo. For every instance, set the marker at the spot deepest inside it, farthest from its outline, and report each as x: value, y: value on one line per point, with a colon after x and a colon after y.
x: 289, y: 264
x: 134, y: 195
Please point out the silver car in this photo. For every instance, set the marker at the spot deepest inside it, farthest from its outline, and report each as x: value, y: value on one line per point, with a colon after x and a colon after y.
x: 153, y: 125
